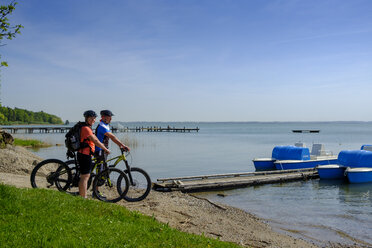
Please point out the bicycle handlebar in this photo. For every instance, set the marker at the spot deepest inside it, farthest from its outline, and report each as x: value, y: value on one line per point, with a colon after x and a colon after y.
x: 124, y: 150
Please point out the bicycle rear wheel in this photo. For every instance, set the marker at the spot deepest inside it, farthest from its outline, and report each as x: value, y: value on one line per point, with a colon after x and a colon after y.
x: 141, y: 186
x: 106, y: 186
x: 73, y: 188
x: 51, y: 173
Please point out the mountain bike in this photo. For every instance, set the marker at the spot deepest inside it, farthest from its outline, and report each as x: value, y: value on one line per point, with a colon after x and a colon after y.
x: 65, y: 176
x: 133, y: 183
x: 139, y: 180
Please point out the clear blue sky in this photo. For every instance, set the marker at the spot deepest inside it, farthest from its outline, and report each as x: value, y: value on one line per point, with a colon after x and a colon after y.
x: 192, y: 60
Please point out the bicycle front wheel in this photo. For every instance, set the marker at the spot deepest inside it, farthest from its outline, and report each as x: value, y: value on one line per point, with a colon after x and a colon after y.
x: 106, y: 186
x: 51, y: 173
x: 139, y: 187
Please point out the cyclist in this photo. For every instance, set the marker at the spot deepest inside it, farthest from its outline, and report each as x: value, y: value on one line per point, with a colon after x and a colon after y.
x: 84, y: 155
x: 104, y: 134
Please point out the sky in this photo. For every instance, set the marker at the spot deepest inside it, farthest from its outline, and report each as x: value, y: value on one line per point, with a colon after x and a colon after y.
x: 192, y: 60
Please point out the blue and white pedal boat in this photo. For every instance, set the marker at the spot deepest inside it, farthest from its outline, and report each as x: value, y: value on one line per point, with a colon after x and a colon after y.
x: 359, y: 175
x: 278, y: 153
x: 318, y: 156
x: 354, y: 165
x: 295, y: 157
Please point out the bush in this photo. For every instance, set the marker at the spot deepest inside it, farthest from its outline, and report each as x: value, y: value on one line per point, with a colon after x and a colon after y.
x: 30, y: 143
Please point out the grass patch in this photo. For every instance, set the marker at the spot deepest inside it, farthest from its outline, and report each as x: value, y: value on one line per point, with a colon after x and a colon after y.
x: 30, y: 143
x: 46, y: 218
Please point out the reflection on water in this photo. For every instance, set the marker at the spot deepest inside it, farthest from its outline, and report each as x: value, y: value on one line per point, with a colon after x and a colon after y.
x: 316, y: 210
x: 358, y: 193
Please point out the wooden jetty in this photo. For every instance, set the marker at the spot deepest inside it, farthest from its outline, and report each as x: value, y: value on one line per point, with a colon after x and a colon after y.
x: 36, y: 129
x: 63, y: 129
x: 232, y: 180
x: 155, y: 129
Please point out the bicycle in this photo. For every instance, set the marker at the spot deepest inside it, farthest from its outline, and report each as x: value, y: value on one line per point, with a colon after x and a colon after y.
x: 139, y: 180
x: 54, y: 172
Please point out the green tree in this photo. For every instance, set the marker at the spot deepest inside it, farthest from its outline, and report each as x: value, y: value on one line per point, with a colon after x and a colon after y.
x: 7, y: 30
x: 2, y: 118
x: 23, y: 116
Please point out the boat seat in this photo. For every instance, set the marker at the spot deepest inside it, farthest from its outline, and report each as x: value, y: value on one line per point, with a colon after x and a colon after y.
x: 318, y: 150
x: 367, y: 148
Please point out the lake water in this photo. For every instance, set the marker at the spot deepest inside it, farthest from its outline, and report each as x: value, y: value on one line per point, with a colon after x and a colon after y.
x: 314, y: 210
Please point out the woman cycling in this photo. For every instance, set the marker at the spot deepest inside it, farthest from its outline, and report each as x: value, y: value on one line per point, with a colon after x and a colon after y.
x: 84, y: 155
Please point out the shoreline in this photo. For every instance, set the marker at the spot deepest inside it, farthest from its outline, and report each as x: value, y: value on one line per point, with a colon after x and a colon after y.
x: 185, y: 212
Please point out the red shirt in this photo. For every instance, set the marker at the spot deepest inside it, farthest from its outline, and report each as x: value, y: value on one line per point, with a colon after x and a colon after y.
x: 86, y: 131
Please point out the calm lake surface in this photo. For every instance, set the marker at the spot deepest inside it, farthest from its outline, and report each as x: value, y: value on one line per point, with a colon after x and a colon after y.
x: 314, y: 210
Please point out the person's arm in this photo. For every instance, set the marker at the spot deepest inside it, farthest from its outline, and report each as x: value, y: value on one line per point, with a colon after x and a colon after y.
x: 117, y: 141
x: 98, y: 143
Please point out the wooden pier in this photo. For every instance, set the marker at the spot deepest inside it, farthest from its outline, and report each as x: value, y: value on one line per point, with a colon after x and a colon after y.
x: 35, y: 129
x: 155, y: 129
x: 63, y: 129
x: 232, y: 180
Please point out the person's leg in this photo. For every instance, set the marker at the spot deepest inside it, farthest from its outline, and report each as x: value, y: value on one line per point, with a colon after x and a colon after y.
x: 104, y: 155
x: 99, y: 157
x: 83, y: 184
x: 85, y: 162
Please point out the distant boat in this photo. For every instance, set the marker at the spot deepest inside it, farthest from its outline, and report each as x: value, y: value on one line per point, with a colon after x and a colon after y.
x: 305, y: 131
x: 295, y: 157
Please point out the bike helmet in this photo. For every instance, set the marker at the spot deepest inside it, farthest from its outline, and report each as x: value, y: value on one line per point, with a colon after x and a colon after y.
x: 106, y: 113
x: 90, y: 113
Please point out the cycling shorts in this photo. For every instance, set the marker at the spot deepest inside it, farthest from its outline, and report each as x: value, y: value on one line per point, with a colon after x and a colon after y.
x: 85, y: 162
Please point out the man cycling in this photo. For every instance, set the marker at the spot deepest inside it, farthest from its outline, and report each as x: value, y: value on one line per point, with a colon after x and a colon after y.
x: 104, y: 134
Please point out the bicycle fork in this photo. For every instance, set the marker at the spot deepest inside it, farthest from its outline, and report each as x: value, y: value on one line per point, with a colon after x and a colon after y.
x: 131, y: 182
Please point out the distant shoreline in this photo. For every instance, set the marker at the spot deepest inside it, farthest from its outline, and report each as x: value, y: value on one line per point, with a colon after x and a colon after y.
x: 201, y: 122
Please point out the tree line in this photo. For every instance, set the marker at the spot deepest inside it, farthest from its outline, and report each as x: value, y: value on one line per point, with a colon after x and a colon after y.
x: 23, y: 116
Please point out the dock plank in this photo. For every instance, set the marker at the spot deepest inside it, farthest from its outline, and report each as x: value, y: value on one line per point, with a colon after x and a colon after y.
x: 231, y: 180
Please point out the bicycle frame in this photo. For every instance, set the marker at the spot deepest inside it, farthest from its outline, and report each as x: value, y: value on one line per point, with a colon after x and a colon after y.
x: 117, y: 159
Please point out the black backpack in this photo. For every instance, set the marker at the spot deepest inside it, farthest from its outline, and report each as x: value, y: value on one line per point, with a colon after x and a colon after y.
x: 72, y: 140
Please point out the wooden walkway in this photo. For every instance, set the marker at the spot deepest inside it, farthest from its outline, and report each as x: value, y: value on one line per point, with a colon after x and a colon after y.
x: 156, y: 129
x: 63, y: 129
x: 232, y: 180
x: 35, y: 129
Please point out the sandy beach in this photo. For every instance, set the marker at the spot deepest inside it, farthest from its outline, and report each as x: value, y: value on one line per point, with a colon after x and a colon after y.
x: 185, y: 212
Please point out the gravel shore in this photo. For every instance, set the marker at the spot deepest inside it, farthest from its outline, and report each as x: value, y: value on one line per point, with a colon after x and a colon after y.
x: 186, y: 212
